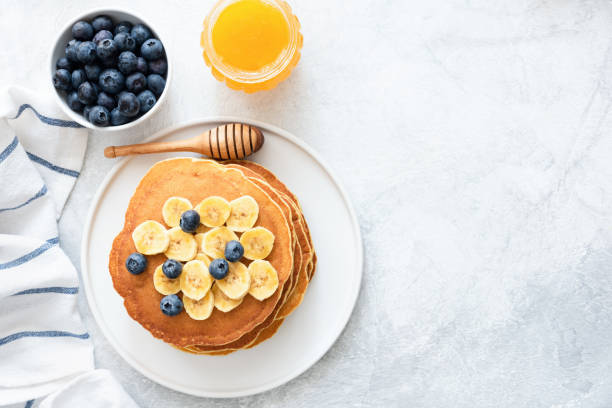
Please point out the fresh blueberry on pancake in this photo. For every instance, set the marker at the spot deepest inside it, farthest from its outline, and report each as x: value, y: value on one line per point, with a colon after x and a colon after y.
x: 171, y: 305
x: 190, y: 220
x: 172, y: 268
x: 218, y: 268
x: 234, y: 251
x: 136, y: 263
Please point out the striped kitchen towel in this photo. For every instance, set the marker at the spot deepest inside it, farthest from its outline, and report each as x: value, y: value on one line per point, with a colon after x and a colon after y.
x: 44, y: 346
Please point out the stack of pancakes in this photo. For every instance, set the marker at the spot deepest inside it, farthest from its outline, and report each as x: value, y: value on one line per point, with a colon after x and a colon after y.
x: 252, y: 321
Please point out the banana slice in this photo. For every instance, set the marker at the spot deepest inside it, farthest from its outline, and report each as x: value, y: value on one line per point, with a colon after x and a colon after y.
x: 213, y: 211
x: 222, y: 302
x: 173, y: 208
x: 150, y: 238
x: 243, y: 215
x: 264, y: 279
x: 164, y: 284
x: 199, y: 309
x: 214, y: 241
x: 237, y: 282
x: 257, y: 243
x: 195, y: 280
x: 201, y: 257
x: 182, y: 246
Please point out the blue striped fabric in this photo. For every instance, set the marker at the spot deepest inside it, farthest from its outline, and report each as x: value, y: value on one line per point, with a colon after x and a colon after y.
x: 9, y: 149
x: 41, y: 193
x: 52, y: 166
x: 45, y: 119
x: 46, y: 333
x: 31, y: 255
x: 66, y: 290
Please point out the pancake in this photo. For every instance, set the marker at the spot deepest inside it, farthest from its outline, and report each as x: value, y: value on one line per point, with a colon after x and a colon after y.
x: 196, y: 179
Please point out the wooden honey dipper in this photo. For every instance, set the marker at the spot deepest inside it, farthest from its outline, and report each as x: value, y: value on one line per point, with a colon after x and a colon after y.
x: 231, y: 141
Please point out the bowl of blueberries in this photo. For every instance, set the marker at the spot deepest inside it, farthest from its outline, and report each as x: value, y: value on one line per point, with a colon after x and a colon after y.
x: 110, y: 70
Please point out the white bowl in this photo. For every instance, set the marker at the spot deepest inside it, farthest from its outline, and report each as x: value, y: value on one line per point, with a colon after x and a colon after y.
x: 59, y: 51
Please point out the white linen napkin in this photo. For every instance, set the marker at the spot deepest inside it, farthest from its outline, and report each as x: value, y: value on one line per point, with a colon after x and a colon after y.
x: 43, y: 343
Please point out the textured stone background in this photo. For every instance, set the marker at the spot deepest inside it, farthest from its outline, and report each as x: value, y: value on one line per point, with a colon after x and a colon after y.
x: 474, y: 138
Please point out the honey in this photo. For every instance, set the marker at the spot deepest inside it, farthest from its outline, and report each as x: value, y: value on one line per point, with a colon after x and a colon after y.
x: 251, y: 45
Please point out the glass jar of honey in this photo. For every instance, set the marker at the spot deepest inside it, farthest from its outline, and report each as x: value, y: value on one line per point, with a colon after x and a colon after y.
x: 251, y: 45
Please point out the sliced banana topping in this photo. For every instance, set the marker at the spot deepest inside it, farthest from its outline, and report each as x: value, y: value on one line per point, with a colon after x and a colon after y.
x: 199, y: 309
x: 214, y: 241
x: 150, y: 238
x: 237, y: 282
x: 257, y: 243
x: 264, y: 279
x: 243, y: 215
x: 213, y: 211
x: 182, y: 246
x: 202, y: 257
x: 173, y: 208
x: 222, y: 302
x: 195, y: 281
x: 164, y: 284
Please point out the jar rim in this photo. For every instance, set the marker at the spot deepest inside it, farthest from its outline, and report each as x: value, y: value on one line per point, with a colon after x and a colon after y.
x: 251, y: 77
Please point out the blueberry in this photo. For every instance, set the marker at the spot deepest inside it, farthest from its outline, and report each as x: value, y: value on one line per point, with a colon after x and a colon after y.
x: 218, y: 268
x: 152, y: 49
x: 136, y: 263
x: 128, y: 105
x: 73, y: 102
x: 233, y: 251
x: 172, y: 268
x: 106, y: 101
x: 125, y: 42
x: 140, y: 33
x: 142, y: 66
x: 99, y: 116
x: 171, y: 305
x: 117, y: 119
x: 86, y: 53
x: 147, y: 100
x: 158, y: 66
x: 78, y: 77
x: 62, y: 80
x: 87, y: 93
x: 71, y: 50
x: 111, y: 81
x: 136, y: 82
x: 102, y: 35
x: 123, y: 27
x: 93, y: 72
x: 107, y: 49
x: 86, y: 111
x: 102, y: 23
x: 82, y: 30
x: 127, y: 62
x: 63, y: 63
x: 190, y: 220
x: 156, y: 84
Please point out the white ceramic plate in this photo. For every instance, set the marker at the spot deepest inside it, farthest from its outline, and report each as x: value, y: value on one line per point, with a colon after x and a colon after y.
x: 311, y: 330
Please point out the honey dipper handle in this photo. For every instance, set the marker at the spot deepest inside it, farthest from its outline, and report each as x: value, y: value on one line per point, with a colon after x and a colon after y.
x: 231, y: 141
x: 153, y: 147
